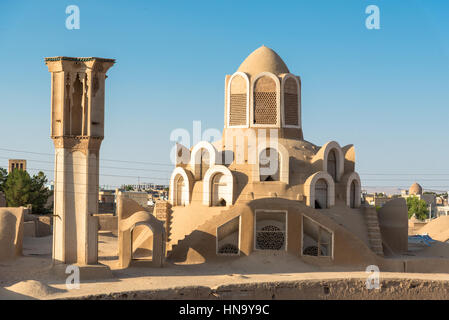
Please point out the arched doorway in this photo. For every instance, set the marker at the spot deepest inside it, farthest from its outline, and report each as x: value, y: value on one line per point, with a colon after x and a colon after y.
x: 141, y: 242
x: 353, y: 194
x: 332, y: 164
x: 179, y: 192
x: 269, y: 165
x: 219, y: 189
x: 321, y: 194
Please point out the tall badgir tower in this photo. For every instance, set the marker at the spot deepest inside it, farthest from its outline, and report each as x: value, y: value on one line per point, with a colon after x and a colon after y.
x: 263, y: 187
x: 77, y: 129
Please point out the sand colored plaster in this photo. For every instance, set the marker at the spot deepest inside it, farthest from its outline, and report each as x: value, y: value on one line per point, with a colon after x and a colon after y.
x: 393, y: 223
x: 151, y: 237
x: 438, y: 229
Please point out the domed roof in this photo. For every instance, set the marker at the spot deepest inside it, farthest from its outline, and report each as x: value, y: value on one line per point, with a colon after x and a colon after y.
x: 415, y: 189
x: 263, y: 59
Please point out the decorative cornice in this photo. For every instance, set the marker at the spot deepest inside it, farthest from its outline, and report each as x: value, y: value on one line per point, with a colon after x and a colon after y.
x: 81, y: 143
x: 78, y: 59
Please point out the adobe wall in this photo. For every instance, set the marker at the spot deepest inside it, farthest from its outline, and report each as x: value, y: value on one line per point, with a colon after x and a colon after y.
x: 107, y: 222
x: 11, y: 232
x: 349, y: 250
x: 393, y: 223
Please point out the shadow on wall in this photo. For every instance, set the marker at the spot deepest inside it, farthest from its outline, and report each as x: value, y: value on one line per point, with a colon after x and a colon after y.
x: 11, y: 232
x: 241, y: 180
x: 393, y: 224
x: 197, y: 250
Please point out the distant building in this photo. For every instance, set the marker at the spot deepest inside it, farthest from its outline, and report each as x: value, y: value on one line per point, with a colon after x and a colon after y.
x: 148, y: 186
x: 51, y: 186
x: 442, y: 211
x: 17, y: 164
x: 416, y: 190
x: 376, y: 200
x: 138, y: 196
x: 106, y: 201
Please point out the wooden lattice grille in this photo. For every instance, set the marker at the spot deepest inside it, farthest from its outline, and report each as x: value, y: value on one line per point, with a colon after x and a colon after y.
x: 237, y: 116
x: 291, y: 102
x: 265, y: 108
x: 265, y: 101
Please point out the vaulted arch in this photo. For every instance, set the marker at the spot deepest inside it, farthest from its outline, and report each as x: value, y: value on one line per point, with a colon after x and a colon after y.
x: 315, y: 184
x: 180, y: 187
x: 282, y: 159
x: 203, y: 156
x: 330, y: 158
x: 353, y: 186
x: 218, y: 187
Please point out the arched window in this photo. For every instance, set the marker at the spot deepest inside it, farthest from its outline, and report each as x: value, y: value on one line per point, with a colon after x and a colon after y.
x: 321, y: 194
x: 265, y: 101
x: 238, y: 101
x: 353, y: 194
x: 219, y: 189
x: 291, y: 102
x: 179, y: 191
x: 332, y: 164
x: 76, y: 111
x: 269, y: 165
x: 353, y: 186
x: 202, y: 157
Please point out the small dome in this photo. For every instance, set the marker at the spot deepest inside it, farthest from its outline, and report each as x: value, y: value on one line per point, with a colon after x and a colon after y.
x: 263, y: 59
x: 415, y: 189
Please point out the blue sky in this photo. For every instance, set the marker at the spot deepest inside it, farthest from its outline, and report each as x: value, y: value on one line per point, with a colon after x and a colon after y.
x: 385, y: 91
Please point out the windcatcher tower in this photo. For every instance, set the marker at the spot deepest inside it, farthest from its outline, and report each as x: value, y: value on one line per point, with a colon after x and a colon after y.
x: 263, y: 94
x: 77, y: 129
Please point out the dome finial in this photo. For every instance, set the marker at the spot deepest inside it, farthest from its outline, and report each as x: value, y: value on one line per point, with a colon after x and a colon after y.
x: 263, y: 59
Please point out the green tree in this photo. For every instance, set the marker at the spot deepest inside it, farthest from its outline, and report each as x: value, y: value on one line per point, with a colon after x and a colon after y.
x: 39, y: 193
x: 20, y: 190
x: 417, y: 207
x: 128, y: 187
x: 3, y: 177
x: 17, y: 188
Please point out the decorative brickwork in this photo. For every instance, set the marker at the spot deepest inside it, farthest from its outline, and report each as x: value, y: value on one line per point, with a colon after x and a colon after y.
x: 162, y: 211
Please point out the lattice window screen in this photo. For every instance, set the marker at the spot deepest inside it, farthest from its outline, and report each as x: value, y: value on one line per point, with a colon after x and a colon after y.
x: 265, y: 101
x: 237, y: 116
x: 291, y: 102
x: 265, y: 108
